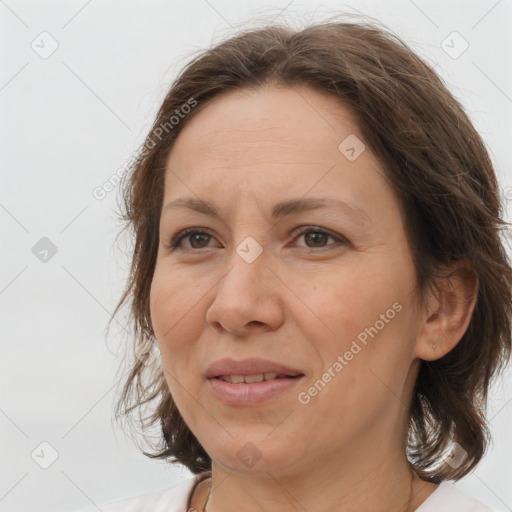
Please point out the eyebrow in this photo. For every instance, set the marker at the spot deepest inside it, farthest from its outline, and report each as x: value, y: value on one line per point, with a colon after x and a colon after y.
x: 278, y: 211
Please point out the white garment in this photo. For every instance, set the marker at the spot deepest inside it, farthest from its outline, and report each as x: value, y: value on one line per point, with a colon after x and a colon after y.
x: 446, y: 498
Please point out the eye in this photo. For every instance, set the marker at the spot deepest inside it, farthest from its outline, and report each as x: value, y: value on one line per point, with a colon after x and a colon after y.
x: 199, y: 236
x: 315, y: 236
x: 202, y: 235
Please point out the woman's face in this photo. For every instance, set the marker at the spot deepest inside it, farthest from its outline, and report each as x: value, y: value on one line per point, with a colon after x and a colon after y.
x: 328, y: 292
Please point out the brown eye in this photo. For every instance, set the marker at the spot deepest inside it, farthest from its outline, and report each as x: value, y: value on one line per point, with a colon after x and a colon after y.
x: 196, y: 236
x: 316, y: 238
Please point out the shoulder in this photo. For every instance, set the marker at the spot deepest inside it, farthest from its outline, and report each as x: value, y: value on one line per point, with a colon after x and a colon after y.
x: 172, y: 499
x: 447, y: 497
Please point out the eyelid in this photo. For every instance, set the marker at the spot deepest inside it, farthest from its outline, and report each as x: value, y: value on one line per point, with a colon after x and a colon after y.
x: 176, y: 239
x: 317, y: 229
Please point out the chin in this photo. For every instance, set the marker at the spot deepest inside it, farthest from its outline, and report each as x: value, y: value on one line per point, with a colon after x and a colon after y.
x: 256, y: 457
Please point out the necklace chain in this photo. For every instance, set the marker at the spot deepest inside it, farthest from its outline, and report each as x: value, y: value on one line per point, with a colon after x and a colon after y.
x: 208, y: 497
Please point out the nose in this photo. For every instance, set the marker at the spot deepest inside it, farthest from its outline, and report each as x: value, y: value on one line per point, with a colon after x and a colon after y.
x: 248, y: 296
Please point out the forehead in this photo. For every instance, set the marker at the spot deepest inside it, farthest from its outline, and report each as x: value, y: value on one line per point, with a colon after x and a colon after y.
x: 273, y: 142
x: 279, y: 121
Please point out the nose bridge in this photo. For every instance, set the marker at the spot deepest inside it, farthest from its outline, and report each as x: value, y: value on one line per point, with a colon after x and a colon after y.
x: 248, y: 263
x: 245, y: 292
x: 250, y: 259
x: 250, y: 231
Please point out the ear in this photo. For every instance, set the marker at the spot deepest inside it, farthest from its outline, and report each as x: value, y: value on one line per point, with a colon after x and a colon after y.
x: 447, y: 312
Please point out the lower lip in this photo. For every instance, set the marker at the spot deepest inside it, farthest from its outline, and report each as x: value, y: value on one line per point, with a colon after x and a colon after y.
x: 250, y: 394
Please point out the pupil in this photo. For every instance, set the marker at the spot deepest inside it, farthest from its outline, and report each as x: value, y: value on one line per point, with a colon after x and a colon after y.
x: 196, y: 237
x: 315, y: 235
x: 315, y: 238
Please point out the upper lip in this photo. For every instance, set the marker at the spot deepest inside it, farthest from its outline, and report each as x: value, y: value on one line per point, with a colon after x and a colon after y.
x: 253, y: 366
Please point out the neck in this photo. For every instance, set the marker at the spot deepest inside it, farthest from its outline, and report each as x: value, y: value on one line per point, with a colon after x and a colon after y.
x: 378, y: 483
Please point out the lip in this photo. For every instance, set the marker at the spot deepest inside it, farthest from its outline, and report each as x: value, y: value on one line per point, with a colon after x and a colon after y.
x: 250, y: 394
x: 253, y: 366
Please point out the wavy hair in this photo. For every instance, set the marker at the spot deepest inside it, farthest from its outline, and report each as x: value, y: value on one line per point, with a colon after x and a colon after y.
x: 443, y: 177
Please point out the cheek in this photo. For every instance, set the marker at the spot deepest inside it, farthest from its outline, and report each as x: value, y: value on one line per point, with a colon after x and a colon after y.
x: 344, y: 303
x: 178, y: 320
x: 366, y: 317
x: 172, y: 301
x: 176, y: 324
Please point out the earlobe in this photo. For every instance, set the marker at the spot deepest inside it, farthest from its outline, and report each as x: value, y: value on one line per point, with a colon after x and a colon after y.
x: 448, y: 312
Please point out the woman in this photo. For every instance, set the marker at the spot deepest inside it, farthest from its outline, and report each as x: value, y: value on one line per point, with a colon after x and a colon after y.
x: 318, y: 261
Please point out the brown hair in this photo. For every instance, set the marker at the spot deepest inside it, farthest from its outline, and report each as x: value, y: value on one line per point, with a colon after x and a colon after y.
x: 437, y: 165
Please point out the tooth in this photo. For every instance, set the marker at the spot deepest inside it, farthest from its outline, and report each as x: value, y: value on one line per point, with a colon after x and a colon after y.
x: 236, y: 379
x: 270, y: 376
x: 249, y: 379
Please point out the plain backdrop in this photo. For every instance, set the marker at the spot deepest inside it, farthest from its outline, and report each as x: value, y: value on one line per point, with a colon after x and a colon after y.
x: 80, y: 83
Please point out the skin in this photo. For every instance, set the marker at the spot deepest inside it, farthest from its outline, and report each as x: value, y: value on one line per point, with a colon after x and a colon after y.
x: 301, y: 302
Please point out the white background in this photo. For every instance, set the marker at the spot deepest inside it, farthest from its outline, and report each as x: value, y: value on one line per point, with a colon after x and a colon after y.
x: 68, y: 122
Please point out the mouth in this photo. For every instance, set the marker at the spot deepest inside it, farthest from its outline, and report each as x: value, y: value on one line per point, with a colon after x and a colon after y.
x: 251, y: 382
x: 253, y: 389
x: 252, y: 379
x: 249, y: 370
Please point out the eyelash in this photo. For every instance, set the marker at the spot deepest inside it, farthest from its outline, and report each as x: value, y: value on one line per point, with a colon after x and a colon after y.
x: 175, y: 241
